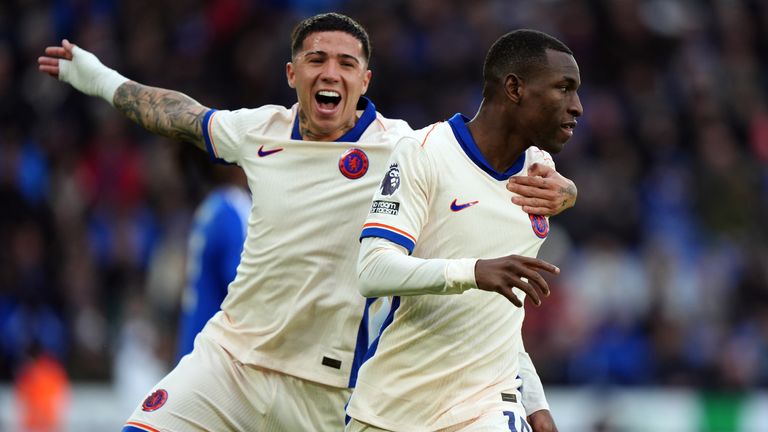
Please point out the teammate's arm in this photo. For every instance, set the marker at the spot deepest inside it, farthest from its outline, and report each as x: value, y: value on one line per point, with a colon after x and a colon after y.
x: 164, y: 112
x: 534, y: 400
x: 385, y: 268
x: 543, y: 191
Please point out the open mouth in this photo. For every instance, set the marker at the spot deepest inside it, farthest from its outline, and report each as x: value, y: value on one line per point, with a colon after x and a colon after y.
x: 327, y: 100
x: 568, y: 127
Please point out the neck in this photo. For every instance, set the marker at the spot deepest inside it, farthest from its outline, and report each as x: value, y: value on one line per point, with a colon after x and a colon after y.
x: 308, y: 133
x: 496, y: 137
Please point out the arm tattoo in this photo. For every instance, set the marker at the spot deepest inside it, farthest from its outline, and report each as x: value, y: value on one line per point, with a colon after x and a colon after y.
x: 164, y: 112
x: 570, y: 193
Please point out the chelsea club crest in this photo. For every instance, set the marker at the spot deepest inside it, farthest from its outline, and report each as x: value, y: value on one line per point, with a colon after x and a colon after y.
x: 540, y: 225
x: 353, y: 164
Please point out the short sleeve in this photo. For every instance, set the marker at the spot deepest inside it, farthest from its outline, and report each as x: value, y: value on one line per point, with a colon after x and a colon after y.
x: 223, y: 132
x: 400, y: 205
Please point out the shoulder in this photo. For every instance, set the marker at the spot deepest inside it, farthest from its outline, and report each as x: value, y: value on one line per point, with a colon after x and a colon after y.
x: 537, y: 155
x: 263, y: 119
x: 392, y: 125
x: 417, y: 144
x: 432, y: 136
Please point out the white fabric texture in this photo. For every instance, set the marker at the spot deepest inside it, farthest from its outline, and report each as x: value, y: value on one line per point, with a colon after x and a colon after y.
x: 86, y: 73
x: 386, y: 269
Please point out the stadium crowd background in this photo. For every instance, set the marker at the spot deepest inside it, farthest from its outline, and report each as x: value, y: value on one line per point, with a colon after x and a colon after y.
x: 664, y: 258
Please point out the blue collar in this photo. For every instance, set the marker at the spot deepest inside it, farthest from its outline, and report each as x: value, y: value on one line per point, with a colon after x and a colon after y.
x: 354, y: 134
x: 459, y: 125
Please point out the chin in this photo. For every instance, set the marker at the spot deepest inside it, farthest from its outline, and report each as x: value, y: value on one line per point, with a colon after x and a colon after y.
x: 552, y: 147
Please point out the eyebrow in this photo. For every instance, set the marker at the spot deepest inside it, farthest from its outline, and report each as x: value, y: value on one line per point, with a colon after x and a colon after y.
x: 571, y: 81
x: 325, y: 54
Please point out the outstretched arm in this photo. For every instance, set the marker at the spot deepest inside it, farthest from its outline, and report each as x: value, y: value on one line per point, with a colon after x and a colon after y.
x: 164, y: 112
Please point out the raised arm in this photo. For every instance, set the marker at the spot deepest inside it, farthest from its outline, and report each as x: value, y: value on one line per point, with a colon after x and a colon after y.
x: 164, y: 112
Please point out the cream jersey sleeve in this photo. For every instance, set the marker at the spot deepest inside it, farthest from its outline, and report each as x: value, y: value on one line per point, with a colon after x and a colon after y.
x: 225, y: 132
x: 386, y: 269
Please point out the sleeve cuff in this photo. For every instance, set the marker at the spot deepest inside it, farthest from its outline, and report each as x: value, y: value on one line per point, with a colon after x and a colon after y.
x: 460, y: 275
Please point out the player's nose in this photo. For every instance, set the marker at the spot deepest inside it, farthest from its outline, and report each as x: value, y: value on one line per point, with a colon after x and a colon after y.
x: 574, y: 107
x: 330, y: 71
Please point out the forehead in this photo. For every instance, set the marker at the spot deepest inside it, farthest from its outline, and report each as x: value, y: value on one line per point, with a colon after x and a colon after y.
x: 333, y: 43
x: 562, y: 65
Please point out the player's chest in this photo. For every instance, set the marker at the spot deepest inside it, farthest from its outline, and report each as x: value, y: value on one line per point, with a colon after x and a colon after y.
x: 313, y: 178
x: 471, y: 210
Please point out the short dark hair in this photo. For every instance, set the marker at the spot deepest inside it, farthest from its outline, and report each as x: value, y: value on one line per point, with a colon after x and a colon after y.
x: 330, y: 21
x: 521, y: 52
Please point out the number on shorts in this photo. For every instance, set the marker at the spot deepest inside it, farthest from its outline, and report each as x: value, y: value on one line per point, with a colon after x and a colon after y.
x: 524, y: 427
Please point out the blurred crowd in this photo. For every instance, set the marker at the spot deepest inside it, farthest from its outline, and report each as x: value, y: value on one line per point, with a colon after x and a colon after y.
x: 664, y: 258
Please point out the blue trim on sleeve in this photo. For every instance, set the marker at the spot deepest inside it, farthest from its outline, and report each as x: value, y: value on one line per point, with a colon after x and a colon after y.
x: 354, y: 134
x: 129, y: 428
x: 207, y: 138
x: 361, y: 347
x: 389, y: 235
x: 459, y: 125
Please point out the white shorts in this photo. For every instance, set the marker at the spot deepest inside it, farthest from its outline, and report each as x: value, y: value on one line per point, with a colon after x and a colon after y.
x: 211, y: 391
x: 507, y: 417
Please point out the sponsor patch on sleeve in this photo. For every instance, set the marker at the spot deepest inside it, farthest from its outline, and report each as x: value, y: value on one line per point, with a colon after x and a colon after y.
x: 385, y: 207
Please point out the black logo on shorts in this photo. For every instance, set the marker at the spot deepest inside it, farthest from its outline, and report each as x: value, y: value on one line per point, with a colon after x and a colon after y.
x: 509, y: 397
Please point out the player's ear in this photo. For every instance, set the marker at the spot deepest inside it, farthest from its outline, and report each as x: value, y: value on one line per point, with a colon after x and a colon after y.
x: 290, y: 74
x: 366, y: 80
x: 513, y: 87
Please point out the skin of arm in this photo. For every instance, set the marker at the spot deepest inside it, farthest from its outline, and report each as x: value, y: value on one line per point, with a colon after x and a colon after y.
x: 164, y: 112
x: 543, y: 191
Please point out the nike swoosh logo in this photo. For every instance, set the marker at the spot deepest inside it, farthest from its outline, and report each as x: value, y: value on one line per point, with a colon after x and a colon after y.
x: 459, y: 207
x: 263, y: 152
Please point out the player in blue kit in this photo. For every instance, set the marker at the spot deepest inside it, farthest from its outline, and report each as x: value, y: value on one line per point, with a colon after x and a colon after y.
x: 213, y: 252
x: 442, y: 232
x: 283, y: 352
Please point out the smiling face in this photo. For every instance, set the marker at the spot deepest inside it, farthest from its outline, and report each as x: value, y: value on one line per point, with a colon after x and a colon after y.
x: 551, y: 103
x: 330, y: 74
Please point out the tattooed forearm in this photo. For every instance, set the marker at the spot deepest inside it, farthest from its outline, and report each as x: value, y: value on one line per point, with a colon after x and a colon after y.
x: 569, y: 193
x: 164, y: 112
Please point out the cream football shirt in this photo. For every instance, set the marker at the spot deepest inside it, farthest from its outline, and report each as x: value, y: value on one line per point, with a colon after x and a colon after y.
x: 293, y: 306
x: 441, y: 360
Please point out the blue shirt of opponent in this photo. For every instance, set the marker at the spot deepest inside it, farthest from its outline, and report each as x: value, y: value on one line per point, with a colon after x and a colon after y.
x: 215, y: 244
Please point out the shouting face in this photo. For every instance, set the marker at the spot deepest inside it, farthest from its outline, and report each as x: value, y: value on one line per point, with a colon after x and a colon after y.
x: 330, y: 74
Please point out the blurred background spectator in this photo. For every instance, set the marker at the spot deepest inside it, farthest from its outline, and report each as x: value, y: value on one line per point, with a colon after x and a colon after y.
x: 664, y: 258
